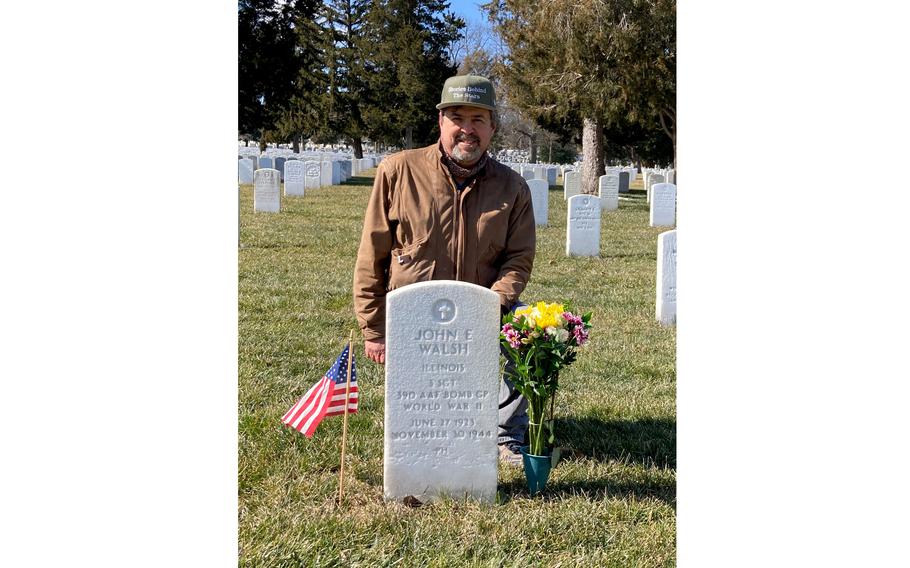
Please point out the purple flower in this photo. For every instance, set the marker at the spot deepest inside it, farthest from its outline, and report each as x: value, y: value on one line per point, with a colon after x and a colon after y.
x: 571, y: 318
x: 581, y: 336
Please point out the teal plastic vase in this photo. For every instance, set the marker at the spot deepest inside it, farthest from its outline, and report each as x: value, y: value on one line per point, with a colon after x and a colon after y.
x: 537, y: 470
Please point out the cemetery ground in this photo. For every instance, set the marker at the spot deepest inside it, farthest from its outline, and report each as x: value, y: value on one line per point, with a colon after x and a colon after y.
x: 611, y: 501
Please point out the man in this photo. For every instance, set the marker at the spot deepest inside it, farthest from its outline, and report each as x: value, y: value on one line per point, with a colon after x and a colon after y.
x: 449, y: 212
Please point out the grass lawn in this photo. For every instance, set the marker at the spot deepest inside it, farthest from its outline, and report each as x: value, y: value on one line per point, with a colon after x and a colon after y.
x: 610, y: 502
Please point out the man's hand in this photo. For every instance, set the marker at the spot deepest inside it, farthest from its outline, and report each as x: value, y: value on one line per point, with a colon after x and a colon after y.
x: 375, y: 350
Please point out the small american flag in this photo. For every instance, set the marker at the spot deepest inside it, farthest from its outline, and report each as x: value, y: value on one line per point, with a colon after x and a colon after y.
x: 325, y: 398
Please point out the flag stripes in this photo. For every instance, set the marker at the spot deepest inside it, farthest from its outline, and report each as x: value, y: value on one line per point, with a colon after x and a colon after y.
x: 325, y: 398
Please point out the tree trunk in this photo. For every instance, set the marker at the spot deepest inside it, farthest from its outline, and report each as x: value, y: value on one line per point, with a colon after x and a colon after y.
x: 533, y: 159
x: 550, y: 152
x: 246, y: 143
x: 262, y: 145
x: 297, y: 144
x: 408, y: 138
x: 357, y: 143
x: 592, y: 166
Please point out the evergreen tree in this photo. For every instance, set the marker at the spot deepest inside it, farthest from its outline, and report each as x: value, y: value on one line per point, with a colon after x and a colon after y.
x: 577, y: 61
x: 268, y: 64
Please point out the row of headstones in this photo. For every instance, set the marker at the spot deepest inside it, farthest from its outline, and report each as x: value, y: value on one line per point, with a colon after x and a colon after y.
x: 348, y: 167
x: 584, y: 213
x: 442, y: 363
x: 545, y: 172
x: 299, y: 176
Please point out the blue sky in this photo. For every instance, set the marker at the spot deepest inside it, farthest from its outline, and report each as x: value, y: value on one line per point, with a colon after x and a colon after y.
x: 467, y: 9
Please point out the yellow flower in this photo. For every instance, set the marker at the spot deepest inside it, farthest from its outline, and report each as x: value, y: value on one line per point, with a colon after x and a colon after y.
x: 543, y: 315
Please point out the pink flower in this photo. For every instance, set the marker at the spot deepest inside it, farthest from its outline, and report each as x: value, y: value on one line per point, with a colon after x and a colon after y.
x: 580, y: 334
x: 571, y: 318
x: 512, y: 335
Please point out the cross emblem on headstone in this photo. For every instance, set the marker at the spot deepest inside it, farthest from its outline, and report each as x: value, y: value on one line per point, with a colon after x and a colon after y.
x: 444, y: 312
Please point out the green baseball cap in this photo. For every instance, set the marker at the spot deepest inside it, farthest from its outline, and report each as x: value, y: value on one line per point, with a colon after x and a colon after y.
x: 468, y: 90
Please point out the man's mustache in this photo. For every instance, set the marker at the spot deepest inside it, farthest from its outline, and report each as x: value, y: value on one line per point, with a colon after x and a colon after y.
x: 467, y: 138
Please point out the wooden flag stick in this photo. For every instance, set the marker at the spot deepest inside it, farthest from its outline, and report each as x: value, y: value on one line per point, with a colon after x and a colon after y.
x: 344, y: 427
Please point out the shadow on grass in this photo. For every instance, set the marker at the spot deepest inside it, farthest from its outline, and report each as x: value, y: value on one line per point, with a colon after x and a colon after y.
x: 649, y: 441
x: 358, y: 180
x: 592, y: 488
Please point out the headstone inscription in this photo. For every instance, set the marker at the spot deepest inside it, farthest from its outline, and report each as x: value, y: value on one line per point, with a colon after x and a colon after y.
x: 663, y: 205
x: 313, y: 173
x: 571, y: 182
x: 666, y: 278
x: 539, y: 200
x: 245, y: 170
x: 441, y: 391
x: 293, y: 178
x: 583, y: 226
x: 266, y: 190
x: 623, y: 182
x: 608, y: 186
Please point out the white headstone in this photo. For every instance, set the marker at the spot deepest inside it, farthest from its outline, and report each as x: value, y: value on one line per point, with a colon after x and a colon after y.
x: 325, y: 173
x: 267, y: 190
x: 650, y: 180
x: 609, y: 192
x: 441, y: 391
x: 571, y: 182
x: 293, y: 178
x: 583, y: 226
x: 663, y: 205
x: 540, y: 200
x: 540, y: 172
x: 265, y: 162
x: 355, y: 166
x: 313, y: 173
x: 527, y: 172
x: 245, y: 170
x: 666, y: 278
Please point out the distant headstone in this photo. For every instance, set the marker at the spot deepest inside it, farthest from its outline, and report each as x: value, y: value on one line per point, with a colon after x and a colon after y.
x: 245, y: 170
x: 293, y: 178
x: 552, y: 174
x: 666, y: 278
x: 441, y: 392
x: 650, y: 180
x: 325, y: 173
x: 366, y: 163
x: 517, y: 168
x: 355, y: 166
x: 623, y: 182
x: 267, y: 190
x: 539, y: 200
x: 571, y: 183
x: 663, y: 205
x: 527, y: 172
x: 279, y: 165
x: 540, y: 172
x: 608, y: 189
x: 266, y: 162
x: 583, y: 226
x: 313, y: 173
x: 346, y: 169
x: 255, y: 160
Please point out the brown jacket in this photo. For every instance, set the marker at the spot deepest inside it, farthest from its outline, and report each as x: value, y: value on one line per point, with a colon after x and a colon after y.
x: 417, y: 228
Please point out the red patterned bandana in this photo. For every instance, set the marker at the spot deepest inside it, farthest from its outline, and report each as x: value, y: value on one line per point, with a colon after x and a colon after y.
x: 459, y: 171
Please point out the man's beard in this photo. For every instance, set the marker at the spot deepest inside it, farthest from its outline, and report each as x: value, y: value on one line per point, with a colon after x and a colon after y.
x: 463, y: 157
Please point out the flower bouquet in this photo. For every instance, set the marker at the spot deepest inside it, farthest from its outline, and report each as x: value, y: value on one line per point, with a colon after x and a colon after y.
x: 540, y: 341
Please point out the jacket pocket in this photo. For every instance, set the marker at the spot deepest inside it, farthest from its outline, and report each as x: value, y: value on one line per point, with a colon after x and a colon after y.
x: 410, y: 264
